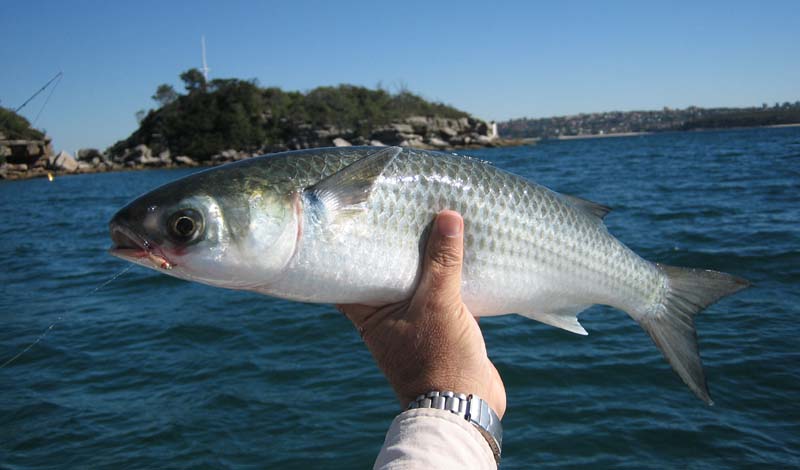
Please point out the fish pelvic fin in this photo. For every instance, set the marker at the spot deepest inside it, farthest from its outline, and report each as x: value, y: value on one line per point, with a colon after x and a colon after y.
x: 671, y: 323
x: 565, y: 318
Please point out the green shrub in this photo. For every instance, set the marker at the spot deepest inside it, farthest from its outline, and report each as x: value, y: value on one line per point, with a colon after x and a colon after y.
x: 238, y: 114
x: 16, y: 127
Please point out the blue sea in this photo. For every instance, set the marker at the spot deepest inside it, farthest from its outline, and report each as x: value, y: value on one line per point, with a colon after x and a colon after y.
x: 153, y: 372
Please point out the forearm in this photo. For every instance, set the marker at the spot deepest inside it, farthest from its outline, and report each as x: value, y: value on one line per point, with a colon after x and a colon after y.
x: 430, y: 438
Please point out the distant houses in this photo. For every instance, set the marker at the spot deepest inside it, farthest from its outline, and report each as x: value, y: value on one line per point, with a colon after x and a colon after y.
x: 667, y: 119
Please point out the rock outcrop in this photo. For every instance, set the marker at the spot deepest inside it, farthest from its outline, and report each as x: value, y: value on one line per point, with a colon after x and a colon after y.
x: 31, y: 159
x: 63, y: 162
x: 23, y: 158
x: 416, y: 131
x: 24, y: 151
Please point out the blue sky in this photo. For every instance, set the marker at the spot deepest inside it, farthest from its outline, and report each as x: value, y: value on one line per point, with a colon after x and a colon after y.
x: 496, y: 60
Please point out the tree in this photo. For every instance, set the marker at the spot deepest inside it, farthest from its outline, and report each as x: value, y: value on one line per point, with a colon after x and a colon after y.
x: 140, y: 115
x: 194, y: 80
x: 165, y: 95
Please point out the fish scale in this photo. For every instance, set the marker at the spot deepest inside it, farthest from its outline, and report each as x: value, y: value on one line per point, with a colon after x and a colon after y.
x: 491, y: 201
x: 350, y: 225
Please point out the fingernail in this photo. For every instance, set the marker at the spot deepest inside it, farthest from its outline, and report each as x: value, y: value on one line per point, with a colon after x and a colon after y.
x: 449, y: 226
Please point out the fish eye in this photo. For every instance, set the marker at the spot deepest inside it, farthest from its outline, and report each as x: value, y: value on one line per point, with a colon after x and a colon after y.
x: 185, y: 225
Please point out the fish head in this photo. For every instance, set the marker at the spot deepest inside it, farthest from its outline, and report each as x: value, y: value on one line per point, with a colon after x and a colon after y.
x: 216, y: 227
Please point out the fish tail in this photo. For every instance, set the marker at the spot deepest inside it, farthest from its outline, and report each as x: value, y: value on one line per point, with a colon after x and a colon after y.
x: 671, y: 322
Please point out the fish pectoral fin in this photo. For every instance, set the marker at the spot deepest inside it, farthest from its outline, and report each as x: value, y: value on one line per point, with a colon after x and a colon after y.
x: 565, y: 318
x: 343, y: 192
x: 590, y: 208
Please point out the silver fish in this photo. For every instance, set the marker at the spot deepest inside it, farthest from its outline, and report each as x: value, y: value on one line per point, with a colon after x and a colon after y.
x: 348, y: 225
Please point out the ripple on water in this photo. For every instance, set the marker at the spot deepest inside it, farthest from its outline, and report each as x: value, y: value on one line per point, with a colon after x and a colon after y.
x: 153, y: 372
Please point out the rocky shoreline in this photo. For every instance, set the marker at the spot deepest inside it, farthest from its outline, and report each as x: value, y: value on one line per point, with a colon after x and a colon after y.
x: 33, y: 159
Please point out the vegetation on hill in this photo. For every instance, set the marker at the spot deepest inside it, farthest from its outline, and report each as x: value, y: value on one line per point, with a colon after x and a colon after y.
x: 238, y: 114
x: 15, y: 127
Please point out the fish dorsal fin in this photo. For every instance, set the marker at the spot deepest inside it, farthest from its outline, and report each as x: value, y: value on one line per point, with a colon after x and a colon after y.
x: 591, y: 208
x: 343, y: 192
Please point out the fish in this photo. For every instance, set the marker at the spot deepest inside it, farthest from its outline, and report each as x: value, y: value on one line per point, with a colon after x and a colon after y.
x: 349, y: 225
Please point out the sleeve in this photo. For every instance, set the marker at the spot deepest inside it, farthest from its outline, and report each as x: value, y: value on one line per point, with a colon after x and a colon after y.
x: 427, y: 438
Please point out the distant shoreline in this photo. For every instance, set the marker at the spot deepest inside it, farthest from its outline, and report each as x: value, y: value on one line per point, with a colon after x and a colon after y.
x: 782, y: 125
x: 601, y: 136
x: 635, y: 134
x: 621, y: 123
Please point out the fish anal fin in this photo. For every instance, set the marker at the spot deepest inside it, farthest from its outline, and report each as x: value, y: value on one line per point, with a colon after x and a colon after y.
x: 565, y: 318
x: 342, y: 193
x: 589, y: 207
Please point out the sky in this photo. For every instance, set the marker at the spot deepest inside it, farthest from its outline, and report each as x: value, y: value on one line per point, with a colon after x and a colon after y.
x: 495, y: 60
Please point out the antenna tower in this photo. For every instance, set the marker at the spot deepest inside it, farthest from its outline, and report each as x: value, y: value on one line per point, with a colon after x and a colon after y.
x: 205, y: 68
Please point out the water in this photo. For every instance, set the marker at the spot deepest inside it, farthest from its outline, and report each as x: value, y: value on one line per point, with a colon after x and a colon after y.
x: 153, y: 372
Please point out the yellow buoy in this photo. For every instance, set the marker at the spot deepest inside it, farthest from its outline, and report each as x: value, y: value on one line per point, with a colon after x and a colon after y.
x: 50, y: 176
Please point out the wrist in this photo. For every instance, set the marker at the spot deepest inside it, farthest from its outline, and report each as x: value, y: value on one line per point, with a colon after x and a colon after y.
x: 485, y: 383
x: 470, y: 407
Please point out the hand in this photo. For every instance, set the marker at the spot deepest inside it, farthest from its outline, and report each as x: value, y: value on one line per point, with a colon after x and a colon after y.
x: 432, y: 341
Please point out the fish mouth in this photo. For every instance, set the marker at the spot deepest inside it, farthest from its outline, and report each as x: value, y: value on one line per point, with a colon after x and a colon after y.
x: 130, y: 246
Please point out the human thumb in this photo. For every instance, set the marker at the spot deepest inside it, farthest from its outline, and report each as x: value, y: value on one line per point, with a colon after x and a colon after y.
x: 441, y: 271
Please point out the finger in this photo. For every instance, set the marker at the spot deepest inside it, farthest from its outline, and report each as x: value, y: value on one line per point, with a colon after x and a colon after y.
x: 441, y: 271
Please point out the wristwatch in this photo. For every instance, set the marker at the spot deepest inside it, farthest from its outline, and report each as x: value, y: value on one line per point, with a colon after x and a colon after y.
x: 472, y: 408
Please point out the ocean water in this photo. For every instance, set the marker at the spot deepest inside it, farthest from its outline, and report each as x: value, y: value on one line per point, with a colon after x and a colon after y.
x: 153, y: 372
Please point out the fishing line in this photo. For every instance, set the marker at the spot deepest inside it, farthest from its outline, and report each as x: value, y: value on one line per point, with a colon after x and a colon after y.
x: 60, y: 317
x: 46, y: 100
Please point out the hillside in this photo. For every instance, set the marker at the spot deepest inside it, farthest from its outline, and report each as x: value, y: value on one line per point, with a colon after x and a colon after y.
x: 238, y: 115
x: 15, y: 127
x: 20, y: 143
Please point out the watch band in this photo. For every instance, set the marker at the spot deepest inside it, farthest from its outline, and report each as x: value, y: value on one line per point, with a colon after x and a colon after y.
x: 472, y: 408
